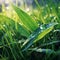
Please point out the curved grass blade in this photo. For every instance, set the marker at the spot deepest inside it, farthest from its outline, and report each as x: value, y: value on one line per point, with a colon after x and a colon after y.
x: 50, y: 43
x: 38, y: 34
x: 9, y: 23
x: 42, y: 50
x: 26, y: 19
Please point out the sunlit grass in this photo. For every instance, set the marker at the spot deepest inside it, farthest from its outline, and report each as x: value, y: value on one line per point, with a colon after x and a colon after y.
x: 24, y: 32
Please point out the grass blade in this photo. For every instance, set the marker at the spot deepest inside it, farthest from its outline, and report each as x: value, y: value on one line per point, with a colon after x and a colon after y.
x: 43, y: 50
x: 6, y: 21
x: 37, y: 34
x: 26, y: 19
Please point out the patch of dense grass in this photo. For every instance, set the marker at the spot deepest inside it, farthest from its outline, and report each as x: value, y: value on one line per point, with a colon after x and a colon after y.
x: 31, y: 37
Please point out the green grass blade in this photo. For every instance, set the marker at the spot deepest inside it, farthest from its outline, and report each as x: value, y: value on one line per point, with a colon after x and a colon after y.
x: 26, y: 19
x: 38, y: 34
x: 42, y: 50
x: 50, y: 43
x: 6, y: 21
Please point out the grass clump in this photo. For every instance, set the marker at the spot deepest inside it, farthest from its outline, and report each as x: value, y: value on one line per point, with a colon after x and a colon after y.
x: 31, y: 37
